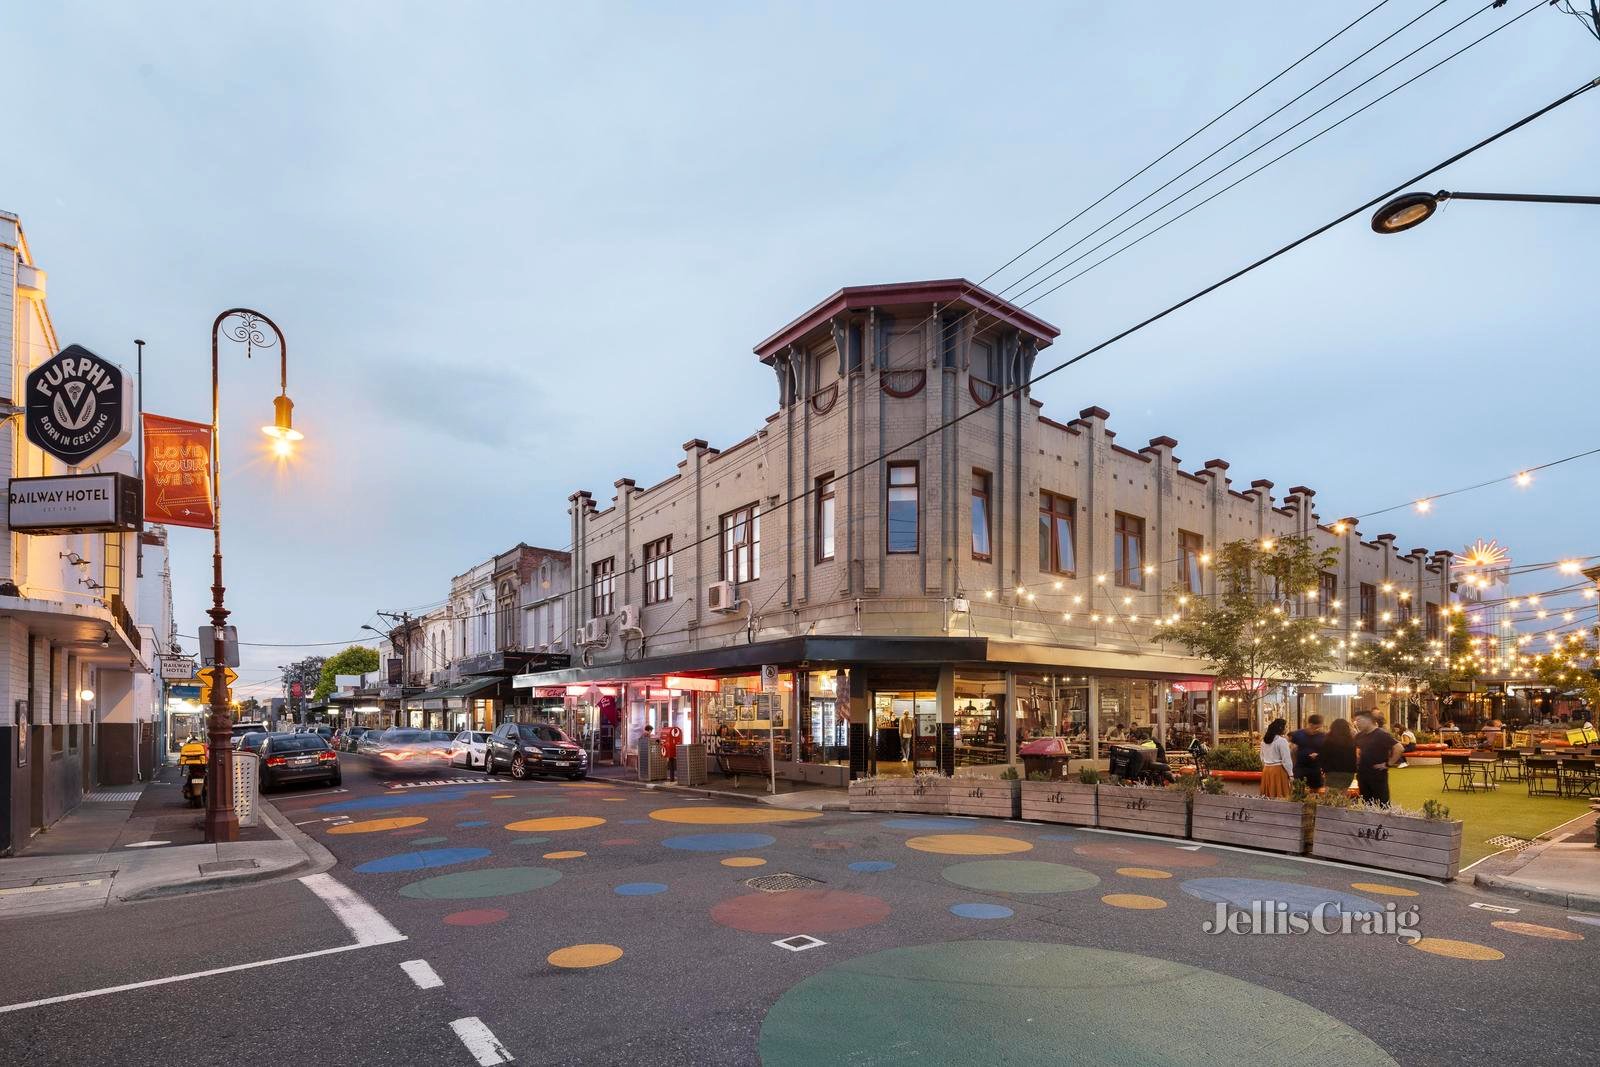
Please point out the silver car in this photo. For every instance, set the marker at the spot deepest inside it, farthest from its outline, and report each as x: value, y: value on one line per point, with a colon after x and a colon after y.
x: 406, y: 751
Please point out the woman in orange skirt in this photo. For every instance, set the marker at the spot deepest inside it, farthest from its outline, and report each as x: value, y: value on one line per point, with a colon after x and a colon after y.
x: 1277, y: 761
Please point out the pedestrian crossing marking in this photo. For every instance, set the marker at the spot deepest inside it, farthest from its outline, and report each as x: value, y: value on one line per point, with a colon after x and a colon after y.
x: 444, y: 781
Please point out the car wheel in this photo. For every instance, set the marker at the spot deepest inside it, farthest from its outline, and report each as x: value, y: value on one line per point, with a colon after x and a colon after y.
x: 336, y: 779
x: 519, y: 767
x: 488, y: 764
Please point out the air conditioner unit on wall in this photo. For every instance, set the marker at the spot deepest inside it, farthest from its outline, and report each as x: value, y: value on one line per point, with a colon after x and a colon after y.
x: 629, y: 619
x: 592, y: 632
x: 722, y: 596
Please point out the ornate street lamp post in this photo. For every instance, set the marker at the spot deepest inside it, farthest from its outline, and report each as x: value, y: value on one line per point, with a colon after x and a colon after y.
x: 222, y: 823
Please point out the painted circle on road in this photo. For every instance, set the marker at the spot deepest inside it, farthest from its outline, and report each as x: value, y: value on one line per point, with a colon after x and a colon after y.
x: 470, y: 823
x: 487, y: 882
x: 744, y: 861
x: 433, y: 840
x: 1534, y: 930
x: 981, y: 911
x: 1458, y: 950
x: 569, y: 854
x: 1020, y: 876
x: 719, y: 842
x: 421, y: 861
x: 939, y: 1004
x: 1143, y: 872
x: 475, y: 917
x: 719, y: 815
x: 640, y: 889
x: 1298, y: 898
x: 404, y: 799
x: 1379, y: 889
x: 871, y: 866
x: 555, y: 822
x: 924, y: 824
x: 1142, y: 854
x: 1133, y: 901
x: 814, y: 911
x: 579, y: 956
x: 968, y: 844
x: 374, y: 826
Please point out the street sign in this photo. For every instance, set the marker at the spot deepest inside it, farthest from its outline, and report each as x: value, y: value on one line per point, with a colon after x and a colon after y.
x: 79, y: 407
x: 208, y: 675
x: 230, y: 645
x: 180, y: 667
x: 177, y: 472
x: 769, y: 678
x: 73, y: 503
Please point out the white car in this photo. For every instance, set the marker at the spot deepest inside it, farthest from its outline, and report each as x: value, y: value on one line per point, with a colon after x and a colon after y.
x: 467, y: 749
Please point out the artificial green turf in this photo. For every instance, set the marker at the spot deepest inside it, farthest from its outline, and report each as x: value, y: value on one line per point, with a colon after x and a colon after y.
x: 1506, y: 809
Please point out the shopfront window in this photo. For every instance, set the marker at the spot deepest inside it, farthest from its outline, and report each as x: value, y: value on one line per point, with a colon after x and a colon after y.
x: 1127, y: 705
x: 906, y: 731
x: 1051, y: 705
x: 824, y: 724
x: 980, y: 718
x: 739, y: 714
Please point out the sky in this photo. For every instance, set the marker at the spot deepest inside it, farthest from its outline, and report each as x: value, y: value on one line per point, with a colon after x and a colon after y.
x: 521, y: 249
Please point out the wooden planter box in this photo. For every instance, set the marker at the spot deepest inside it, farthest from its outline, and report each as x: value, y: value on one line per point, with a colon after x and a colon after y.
x: 1143, y: 810
x: 995, y: 798
x: 922, y: 796
x: 1253, y: 822
x: 1072, y: 803
x: 1429, y: 847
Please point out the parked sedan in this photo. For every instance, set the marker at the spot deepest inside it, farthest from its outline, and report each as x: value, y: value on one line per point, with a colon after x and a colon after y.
x: 467, y: 749
x: 346, y: 740
x: 412, y: 752
x: 527, y: 748
x: 289, y: 758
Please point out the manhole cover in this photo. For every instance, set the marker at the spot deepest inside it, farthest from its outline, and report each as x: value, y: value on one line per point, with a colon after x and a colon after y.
x: 781, y: 883
x: 222, y: 866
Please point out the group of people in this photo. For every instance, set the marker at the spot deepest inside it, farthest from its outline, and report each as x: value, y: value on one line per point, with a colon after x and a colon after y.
x: 1330, y: 758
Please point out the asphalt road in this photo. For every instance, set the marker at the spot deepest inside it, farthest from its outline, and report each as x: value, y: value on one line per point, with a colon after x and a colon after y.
x: 597, y: 923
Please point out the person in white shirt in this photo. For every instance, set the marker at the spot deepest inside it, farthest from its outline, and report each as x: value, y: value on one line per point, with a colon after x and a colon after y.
x: 1277, y: 761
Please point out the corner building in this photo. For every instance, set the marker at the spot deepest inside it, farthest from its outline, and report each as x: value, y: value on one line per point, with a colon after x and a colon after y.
x: 984, y: 584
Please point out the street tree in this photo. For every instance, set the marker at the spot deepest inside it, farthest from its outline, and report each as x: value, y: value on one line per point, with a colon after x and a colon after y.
x: 357, y: 659
x: 1262, y: 625
x: 1570, y: 667
x: 1404, y: 663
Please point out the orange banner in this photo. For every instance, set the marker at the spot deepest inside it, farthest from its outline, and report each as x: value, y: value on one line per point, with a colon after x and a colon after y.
x: 177, y: 472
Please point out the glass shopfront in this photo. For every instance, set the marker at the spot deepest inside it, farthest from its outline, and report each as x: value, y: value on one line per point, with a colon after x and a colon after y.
x: 824, y: 725
x: 1127, y: 705
x: 906, y: 730
x: 1052, y: 705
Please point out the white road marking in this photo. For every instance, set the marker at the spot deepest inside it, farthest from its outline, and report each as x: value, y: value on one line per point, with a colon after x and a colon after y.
x: 442, y: 781
x: 146, y: 844
x: 360, y: 918
x: 1190, y: 848
x: 422, y: 974
x: 1500, y: 908
x: 800, y: 942
x: 480, y: 1041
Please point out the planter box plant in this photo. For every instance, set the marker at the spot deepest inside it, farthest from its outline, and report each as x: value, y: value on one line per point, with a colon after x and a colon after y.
x: 1253, y: 822
x: 992, y: 797
x: 1376, y: 837
x: 1143, y: 809
x: 1072, y: 803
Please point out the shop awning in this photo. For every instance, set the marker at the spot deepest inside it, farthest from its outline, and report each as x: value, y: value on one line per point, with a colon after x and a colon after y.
x: 442, y: 697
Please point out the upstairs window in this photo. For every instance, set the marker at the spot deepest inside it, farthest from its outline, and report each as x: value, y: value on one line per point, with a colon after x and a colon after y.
x: 825, y: 518
x: 1191, y: 546
x: 1057, y: 538
x: 658, y: 571
x: 1327, y: 593
x: 980, y: 515
x: 741, y: 544
x: 1129, y: 547
x: 902, y: 535
x: 1369, y: 606
x: 604, y: 582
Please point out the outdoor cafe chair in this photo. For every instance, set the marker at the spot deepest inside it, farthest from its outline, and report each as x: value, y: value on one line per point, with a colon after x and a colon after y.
x: 1508, y: 764
x: 1458, y: 773
x: 1580, y: 777
x: 1481, y: 771
x: 1543, y: 775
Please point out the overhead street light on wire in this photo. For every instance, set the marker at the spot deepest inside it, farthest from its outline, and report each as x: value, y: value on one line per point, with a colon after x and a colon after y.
x: 1413, y: 209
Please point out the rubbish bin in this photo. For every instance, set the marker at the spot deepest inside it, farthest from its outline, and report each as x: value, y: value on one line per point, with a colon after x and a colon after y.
x: 692, y: 764
x: 652, y: 764
x: 246, y: 786
x: 1045, y: 755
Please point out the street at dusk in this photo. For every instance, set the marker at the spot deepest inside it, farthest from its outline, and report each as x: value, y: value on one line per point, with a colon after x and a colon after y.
x: 770, y: 534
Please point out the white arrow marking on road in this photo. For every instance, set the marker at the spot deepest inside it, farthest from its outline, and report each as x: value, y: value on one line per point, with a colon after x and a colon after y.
x: 422, y: 974
x: 480, y: 1041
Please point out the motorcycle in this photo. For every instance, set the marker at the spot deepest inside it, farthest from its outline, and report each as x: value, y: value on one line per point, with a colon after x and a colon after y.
x: 192, y: 758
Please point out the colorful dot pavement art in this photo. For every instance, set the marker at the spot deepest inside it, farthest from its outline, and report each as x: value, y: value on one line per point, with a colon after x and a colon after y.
x: 1535, y: 930
x: 476, y: 917
x: 640, y: 889
x: 925, y: 824
x: 816, y: 911
x: 555, y: 822
x: 433, y: 840
x: 1140, y: 854
x: 1133, y: 901
x: 531, y: 839
x: 871, y: 866
x: 375, y: 826
x: 421, y: 861
x: 717, y: 815
x: 981, y: 911
x: 470, y: 823
x: 1143, y: 872
x: 581, y: 956
x: 744, y: 861
x: 410, y: 798
x: 968, y: 844
x: 1458, y: 950
x: 481, y: 884
x: 937, y: 1004
x: 1298, y: 898
x: 1020, y: 876
x: 568, y: 854
x: 1378, y: 889
x: 719, y: 842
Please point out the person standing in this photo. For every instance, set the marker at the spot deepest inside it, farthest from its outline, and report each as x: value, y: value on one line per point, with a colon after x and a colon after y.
x: 1276, y: 760
x: 1307, y: 743
x: 1376, y: 752
x: 1337, y: 757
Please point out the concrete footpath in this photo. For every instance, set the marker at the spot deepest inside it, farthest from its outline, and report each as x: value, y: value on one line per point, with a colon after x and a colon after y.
x: 86, y: 860
x: 1564, y: 871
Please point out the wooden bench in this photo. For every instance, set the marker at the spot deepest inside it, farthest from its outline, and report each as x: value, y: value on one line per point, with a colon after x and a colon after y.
x: 736, y: 763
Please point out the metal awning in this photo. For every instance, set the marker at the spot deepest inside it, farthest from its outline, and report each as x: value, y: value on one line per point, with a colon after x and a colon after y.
x: 441, y: 698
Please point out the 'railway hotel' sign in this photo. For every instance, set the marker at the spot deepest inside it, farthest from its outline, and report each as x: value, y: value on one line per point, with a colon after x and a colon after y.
x: 74, y: 503
x: 79, y: 407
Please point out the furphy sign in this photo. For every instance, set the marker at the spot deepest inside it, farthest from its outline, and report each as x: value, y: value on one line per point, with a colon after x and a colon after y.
x: 73, y: 503
x: 79, y: 406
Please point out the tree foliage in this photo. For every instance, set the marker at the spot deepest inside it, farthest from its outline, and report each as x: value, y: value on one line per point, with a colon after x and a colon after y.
x: 357, y: 659
x: 1263, y: 622
x: 1570, y: 667
x: 308, y: 672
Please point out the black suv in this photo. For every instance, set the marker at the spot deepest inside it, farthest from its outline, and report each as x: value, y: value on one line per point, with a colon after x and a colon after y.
x: 529, y: 748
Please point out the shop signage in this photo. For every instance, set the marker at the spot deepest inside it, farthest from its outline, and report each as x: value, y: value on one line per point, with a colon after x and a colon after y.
x: 769, y: 678
x: 1341, y: 689
x: 74, y: 503
x: 690, y: 685
x: 79, y: 407
x: 177, y: 472
x: 175, y: 667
